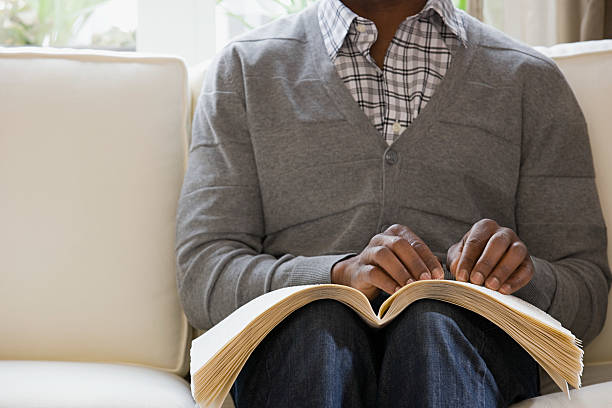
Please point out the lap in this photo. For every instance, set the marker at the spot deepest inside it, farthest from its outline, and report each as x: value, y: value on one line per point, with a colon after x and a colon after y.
x: 437, y: 340
x: 326, y: 340
x: 321, y: 355
x: 428, y: 318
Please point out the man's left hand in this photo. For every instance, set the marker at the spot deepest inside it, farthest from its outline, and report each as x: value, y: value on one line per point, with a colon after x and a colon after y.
x: 491, y: 255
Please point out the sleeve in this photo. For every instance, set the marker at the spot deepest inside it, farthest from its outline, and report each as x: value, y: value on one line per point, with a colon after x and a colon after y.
x: 220, y: 223
x: 557, y: 206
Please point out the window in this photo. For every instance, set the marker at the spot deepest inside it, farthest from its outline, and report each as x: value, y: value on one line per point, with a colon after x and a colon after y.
x: 103, y: 24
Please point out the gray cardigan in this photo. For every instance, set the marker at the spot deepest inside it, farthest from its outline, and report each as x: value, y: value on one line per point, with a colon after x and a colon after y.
x: 287, y: 176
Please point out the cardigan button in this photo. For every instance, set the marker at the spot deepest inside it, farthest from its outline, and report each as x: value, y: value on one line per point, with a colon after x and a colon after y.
x: 391, y: 157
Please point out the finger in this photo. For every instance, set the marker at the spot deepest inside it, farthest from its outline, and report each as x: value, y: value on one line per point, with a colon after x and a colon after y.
x: 415, y: 263
x: 452, y: 256
x: 432, y: 263
x: 385, y: 258
x: 375, y: 276
x: 510, y: 262
x: 411, y: 260
x: 404, y: 251
x: 518, y: 279
x: 474, y: 245
x: 495, y: 249
x: 455, y: 254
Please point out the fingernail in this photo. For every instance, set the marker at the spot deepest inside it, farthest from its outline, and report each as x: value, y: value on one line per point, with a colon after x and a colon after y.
x: 462, y: 275
x: 477, y: 278
x: 506, y: 289
x: 409, y: 281
x: 396, y: 289
x: 492, y: 283
x: 425, y: 275
x: 438, y: 273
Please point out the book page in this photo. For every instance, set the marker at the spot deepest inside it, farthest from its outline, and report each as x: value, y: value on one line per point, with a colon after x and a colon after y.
x: 441, y: 286
x: 204, y: 347
x: 517, y: 304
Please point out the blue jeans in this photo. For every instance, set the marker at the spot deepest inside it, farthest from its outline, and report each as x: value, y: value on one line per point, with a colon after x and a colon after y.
x: 432, y: 355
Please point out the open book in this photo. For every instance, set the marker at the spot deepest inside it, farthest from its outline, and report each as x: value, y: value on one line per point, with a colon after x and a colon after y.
x: 218, y: 355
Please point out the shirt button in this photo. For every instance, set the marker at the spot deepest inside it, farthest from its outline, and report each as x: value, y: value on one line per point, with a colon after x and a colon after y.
x: 361, y: 28
x: 391, y: 157
x: 397, y: 127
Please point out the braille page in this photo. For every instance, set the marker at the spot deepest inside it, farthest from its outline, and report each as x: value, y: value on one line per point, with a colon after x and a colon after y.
x: 442, y: 286
x: 206, y: 346
x: 517, y: 304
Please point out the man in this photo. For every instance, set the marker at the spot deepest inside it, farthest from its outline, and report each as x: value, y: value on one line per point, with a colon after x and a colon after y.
x: 369, y: 143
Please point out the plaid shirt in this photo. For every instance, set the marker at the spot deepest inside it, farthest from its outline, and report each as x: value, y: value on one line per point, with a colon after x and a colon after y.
x: 414, y: 65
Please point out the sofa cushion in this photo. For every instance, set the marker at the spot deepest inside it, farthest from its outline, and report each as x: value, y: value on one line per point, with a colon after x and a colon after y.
x: 43, y: 384
x: 92, y: 155
x: 593, y: 396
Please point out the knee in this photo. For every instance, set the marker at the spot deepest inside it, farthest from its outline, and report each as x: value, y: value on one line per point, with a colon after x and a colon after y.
x: 323, y: 316
x: 323, y: 344
x: 429, y: 310
x: 427, y: 321
x: 325, y: 328
x: 322, y: 321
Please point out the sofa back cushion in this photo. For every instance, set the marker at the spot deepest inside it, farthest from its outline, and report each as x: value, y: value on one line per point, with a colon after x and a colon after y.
x: 92, y: 155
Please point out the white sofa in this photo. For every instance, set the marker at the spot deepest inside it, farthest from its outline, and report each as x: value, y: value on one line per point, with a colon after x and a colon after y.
x: 92, y: 153
x: 92, y: 156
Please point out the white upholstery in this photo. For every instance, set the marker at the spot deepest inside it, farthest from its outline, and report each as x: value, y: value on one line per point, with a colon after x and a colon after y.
x: 35, y: 384
x: 196, y: 79
x: 592, y: 396
x: 92, y: 156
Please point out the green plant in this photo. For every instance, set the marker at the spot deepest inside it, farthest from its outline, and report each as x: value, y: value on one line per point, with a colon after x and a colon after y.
x: 43, y: 22
x: 462, y: 4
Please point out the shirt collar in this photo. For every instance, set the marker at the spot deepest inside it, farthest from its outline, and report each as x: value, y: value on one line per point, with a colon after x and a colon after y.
x: 335, y: 19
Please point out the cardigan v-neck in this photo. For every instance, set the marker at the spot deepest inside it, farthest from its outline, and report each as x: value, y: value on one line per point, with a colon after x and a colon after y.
x: 345, y: 102
x: 415, y: 62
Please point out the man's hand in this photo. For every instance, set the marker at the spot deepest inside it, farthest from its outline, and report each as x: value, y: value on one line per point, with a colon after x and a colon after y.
x: 492, y: 255
x: 391, y: 260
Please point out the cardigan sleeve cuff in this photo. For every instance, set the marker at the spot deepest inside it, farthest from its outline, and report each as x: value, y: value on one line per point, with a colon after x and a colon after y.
x: 315, y: 270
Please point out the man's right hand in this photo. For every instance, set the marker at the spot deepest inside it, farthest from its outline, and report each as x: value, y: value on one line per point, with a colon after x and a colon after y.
x: 391, y: 260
